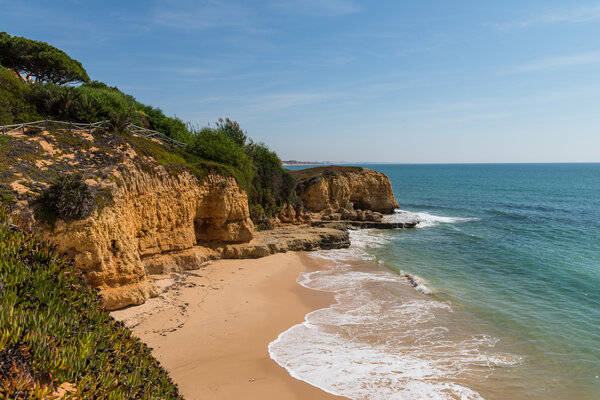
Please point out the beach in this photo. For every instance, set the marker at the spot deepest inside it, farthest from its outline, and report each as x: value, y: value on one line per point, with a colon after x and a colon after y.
x: 211, y: 327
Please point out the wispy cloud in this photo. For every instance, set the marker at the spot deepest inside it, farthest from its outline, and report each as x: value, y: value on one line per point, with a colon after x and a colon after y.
x: 198, y: 15
x: 571, y: 60
x: 571, y: 15
x: 318, y: 8
x: 281, y: 101
x: 188, y: 71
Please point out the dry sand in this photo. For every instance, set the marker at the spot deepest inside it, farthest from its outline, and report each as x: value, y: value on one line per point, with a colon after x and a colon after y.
x: 211, y: 327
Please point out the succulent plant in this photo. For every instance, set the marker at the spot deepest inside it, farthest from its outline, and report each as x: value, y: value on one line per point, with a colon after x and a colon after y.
x: 53, y: 329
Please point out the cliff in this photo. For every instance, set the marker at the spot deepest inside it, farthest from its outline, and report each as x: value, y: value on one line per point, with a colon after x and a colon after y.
x: 153, y: 213
x: 143, y: 208
x: 335, y: 188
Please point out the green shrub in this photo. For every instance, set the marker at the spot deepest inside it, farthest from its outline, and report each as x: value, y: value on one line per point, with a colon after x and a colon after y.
x: 54, y: 101
x: 68, y: 198
x: 98, y: 102
x: 119, y: 122
x: 273, y: 185
x: 213, y: 145
x: 173, y: 127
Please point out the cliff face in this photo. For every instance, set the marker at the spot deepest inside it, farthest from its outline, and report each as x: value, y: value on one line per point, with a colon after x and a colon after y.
x: 335, y: 187
x: 153, y: 214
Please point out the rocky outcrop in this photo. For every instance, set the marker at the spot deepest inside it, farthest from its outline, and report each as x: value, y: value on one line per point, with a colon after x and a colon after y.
x: 335, y: 188
x: 155, y: 222
x: 289, y: 239
x: 147, y: 209
x: 365, y: 224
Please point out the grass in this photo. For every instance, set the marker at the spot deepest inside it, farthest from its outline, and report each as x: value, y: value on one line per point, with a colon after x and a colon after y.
x: 53, y: 330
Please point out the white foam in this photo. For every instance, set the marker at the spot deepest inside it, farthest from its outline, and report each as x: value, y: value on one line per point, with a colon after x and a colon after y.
x: 360, y: 240
x: 424, y: 219
x: 374, y: 344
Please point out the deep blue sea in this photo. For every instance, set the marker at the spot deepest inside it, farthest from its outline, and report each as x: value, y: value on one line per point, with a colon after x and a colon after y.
x: 507, y: 262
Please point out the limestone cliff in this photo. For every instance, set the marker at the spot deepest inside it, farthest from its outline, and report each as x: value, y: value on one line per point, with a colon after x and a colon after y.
x: 335, y: 187
x: 149, y: 210
x: 153, y: 213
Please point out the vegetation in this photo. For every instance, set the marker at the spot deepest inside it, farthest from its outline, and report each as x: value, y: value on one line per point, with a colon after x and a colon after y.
x: 68, y: 198
x: 212, y: 145
x: 40, y: 61
x: 15, y: 104
x: 225, y: 148
x: 268, y: 184
x: 55, y: 331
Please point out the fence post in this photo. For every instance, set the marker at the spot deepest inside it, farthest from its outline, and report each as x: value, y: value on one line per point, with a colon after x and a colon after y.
x: 46, y: 123
x: 90, y: 130
x: 23, y: 127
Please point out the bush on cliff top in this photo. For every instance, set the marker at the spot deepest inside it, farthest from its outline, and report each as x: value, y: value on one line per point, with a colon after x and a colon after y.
x: 14, y: 99
x: 267, y: 183
x: 53, y: 330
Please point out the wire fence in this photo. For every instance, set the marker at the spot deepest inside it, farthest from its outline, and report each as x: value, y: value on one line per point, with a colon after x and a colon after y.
x: 49, y: 124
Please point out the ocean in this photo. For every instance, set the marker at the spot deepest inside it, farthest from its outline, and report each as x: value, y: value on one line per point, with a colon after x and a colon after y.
x: 495, y: 295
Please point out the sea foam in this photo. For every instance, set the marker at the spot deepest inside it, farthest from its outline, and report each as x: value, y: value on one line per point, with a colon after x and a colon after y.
x: 424, y: 219
x: 381, y: 339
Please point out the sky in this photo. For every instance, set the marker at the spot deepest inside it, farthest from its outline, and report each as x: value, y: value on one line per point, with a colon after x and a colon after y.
x: 347, y: 80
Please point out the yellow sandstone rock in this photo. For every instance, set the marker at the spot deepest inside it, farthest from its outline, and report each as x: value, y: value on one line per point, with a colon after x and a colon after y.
x: 155, y: 222
x: 334, y: 187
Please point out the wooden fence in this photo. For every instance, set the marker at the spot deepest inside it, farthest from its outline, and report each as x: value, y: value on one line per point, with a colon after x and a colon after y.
x: 48, y: 124
x: 149, y: 133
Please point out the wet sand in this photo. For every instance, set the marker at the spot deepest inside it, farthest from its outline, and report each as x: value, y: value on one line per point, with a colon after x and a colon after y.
x: 211, y: 327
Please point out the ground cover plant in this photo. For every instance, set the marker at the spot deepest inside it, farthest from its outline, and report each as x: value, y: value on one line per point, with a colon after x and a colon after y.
x: 53, y: 330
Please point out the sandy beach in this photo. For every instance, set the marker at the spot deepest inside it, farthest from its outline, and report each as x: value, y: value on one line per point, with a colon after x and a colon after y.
x: 211, y: 327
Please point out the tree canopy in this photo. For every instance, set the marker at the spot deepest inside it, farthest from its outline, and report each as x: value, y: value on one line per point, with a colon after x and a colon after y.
x: 39, y: 60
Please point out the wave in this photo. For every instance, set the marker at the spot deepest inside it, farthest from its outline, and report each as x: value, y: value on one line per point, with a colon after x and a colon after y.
x: 424, y: 219
x: 418, y: 283
x: 376, y: 342
x: 385, y: 337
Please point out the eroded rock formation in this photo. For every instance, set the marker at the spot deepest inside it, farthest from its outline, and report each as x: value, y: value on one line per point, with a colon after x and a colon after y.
x: 155, y: 217
x: 334, y: 188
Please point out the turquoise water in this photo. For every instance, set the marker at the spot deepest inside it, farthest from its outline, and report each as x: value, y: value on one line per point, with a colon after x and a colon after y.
x: 514, y: 249
x: 528, y: 266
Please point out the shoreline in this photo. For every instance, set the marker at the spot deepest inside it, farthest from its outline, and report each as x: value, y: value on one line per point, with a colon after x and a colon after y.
x: 211, y: 327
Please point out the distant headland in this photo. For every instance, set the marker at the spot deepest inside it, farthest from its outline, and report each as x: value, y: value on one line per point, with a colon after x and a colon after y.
x: 294, y: 162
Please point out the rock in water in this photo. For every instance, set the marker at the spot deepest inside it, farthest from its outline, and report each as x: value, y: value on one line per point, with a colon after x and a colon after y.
x: 335, y: 187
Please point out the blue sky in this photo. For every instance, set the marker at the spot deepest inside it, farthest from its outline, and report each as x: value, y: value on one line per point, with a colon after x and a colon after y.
x: 345, y: 80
